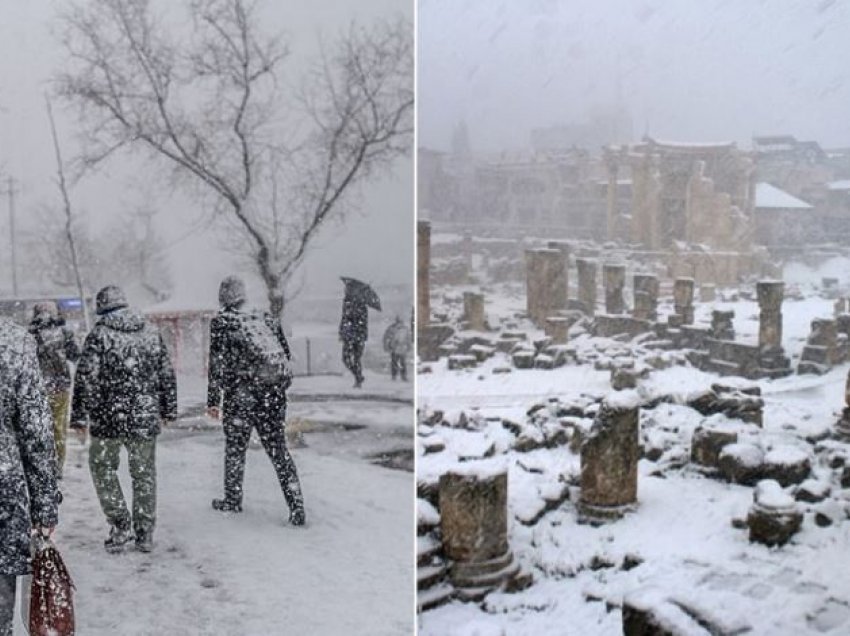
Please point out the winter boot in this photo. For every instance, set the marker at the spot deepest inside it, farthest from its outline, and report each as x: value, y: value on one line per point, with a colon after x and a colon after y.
x: 224, y: 505
x: 297, y: 517
x: 144, y: 541
x: 117, y: 539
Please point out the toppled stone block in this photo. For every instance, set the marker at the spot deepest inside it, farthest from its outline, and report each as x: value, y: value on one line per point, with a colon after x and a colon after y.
x: 774, y: 517
x: 707, y: 443
x: 650, y: 611
x: 462, y: 361
x: 523, y: 359
x: 812, y: 491
x: 741, y: 463
x: 787, y: 465
x: 481, y: 352
x: 732, y: 402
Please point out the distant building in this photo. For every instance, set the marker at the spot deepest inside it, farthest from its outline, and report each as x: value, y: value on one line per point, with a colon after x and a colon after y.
x: 781, y: 218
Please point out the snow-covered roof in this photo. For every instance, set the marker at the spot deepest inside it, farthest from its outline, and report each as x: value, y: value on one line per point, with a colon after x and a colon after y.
x: 769, y: 196
x: 839, y: 185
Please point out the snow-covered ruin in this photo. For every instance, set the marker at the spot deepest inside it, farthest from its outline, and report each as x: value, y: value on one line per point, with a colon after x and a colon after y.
x: 638, y: 451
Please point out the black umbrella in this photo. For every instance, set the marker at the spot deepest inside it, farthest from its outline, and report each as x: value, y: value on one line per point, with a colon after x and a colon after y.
x: 361, y: 292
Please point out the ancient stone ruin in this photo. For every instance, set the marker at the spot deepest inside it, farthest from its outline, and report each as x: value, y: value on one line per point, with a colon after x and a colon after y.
x: 774, y: 517
x: 474, y: 526
x: 473, y: 311
x: 609, y: 460
x: 614, y: 279
x: 645, y: 297
x: 586, y: 269
x: 546, y: 283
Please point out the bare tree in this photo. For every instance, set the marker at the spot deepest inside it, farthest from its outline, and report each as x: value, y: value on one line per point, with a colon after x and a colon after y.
x: 62, y: 183
x: 277, y: 163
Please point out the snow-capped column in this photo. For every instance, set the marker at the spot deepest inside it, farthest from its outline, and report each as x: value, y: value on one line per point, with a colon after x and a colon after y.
x: 473, y: 311
x: 546, y: 283
x: 587, y: 284
x: 770, y: 295
x: 683, y: 300
x: 614, y: 280
x: 645, y: 296
x: 609, y: 459
x: 423, y: 271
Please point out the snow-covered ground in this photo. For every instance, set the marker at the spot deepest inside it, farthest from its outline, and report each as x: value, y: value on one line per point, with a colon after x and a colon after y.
x: 349, y: 571
x: 680, y: 540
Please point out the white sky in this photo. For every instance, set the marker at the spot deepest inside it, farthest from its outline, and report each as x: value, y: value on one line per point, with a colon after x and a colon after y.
x: 28, y: 55
x: 689, y: 70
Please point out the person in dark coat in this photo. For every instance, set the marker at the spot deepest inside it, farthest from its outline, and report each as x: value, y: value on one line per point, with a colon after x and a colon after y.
x: 354, y: 331
x: 28, y: 489
x: 125, y: 388
x: 245, y: 349
x: 56, y: 348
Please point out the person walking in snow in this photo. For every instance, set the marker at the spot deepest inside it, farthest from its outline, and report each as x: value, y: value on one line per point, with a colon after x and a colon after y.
x: 397, y: 344
x: 248, y: 377
x: 354, y: 331
x: 124, y: 390
x: 56, y: 348
x: 28, y: 489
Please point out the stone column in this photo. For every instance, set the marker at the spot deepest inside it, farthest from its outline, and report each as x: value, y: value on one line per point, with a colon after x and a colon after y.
x: 473, y: 311
x: 645, y: 296
x: 609, y: 460
x: 564, y: 248
x: 546, y: 283
x: 611, y: 218
x: 474, y: 516
x: 683, y: 300
x: 474, y: 527
x: 770, y: 295
x: 557, y: 328
x: 614, y: 280
x: 423, y: 268
x: 587, y: 284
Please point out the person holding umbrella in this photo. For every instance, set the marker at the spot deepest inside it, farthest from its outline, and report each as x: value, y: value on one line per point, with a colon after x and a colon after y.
x: 354, y: 325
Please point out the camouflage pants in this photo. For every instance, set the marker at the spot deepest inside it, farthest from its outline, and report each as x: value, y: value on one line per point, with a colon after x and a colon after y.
x: 352, y: 352
x: 104, y: 458
x: 246, y: 410
x: 59, y: 401
x: 7, y: 603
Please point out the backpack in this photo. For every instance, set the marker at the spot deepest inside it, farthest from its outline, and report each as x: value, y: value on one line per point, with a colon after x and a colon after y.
x: 262, y: 357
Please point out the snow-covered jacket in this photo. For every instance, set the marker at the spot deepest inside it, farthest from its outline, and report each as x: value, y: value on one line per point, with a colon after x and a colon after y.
x: 125, y: 383
x: 226, y: 374
x: 397, y: 339
x: 28, y: 493
x: 56, y: 348
x: 354, y: 325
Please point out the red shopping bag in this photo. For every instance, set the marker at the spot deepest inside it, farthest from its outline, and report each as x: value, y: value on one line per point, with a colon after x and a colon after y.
x: 51, y: 593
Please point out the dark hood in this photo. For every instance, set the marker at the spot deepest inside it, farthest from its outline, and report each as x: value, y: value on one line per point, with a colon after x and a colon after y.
x: 124, y: 319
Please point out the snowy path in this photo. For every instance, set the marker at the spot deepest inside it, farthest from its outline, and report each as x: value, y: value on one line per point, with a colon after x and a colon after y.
x: 349, y: 572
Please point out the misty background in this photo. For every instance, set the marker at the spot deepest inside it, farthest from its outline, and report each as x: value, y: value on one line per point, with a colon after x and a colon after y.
x: 715, y: 70
x: 374, y: 242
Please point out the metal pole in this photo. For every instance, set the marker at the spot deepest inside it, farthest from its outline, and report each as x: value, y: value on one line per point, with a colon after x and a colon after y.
x: 10, y: 190
x: 308, y: 358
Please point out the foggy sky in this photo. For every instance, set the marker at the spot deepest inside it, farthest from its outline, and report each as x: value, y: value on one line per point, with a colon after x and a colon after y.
x: 29, y: 54
x: 707, y: 70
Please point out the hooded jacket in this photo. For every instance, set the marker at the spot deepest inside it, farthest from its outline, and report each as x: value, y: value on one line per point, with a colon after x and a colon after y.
x: 225, y: 377
x: 56, y: 348
x: 28, y: 492
x: 125, y: 383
